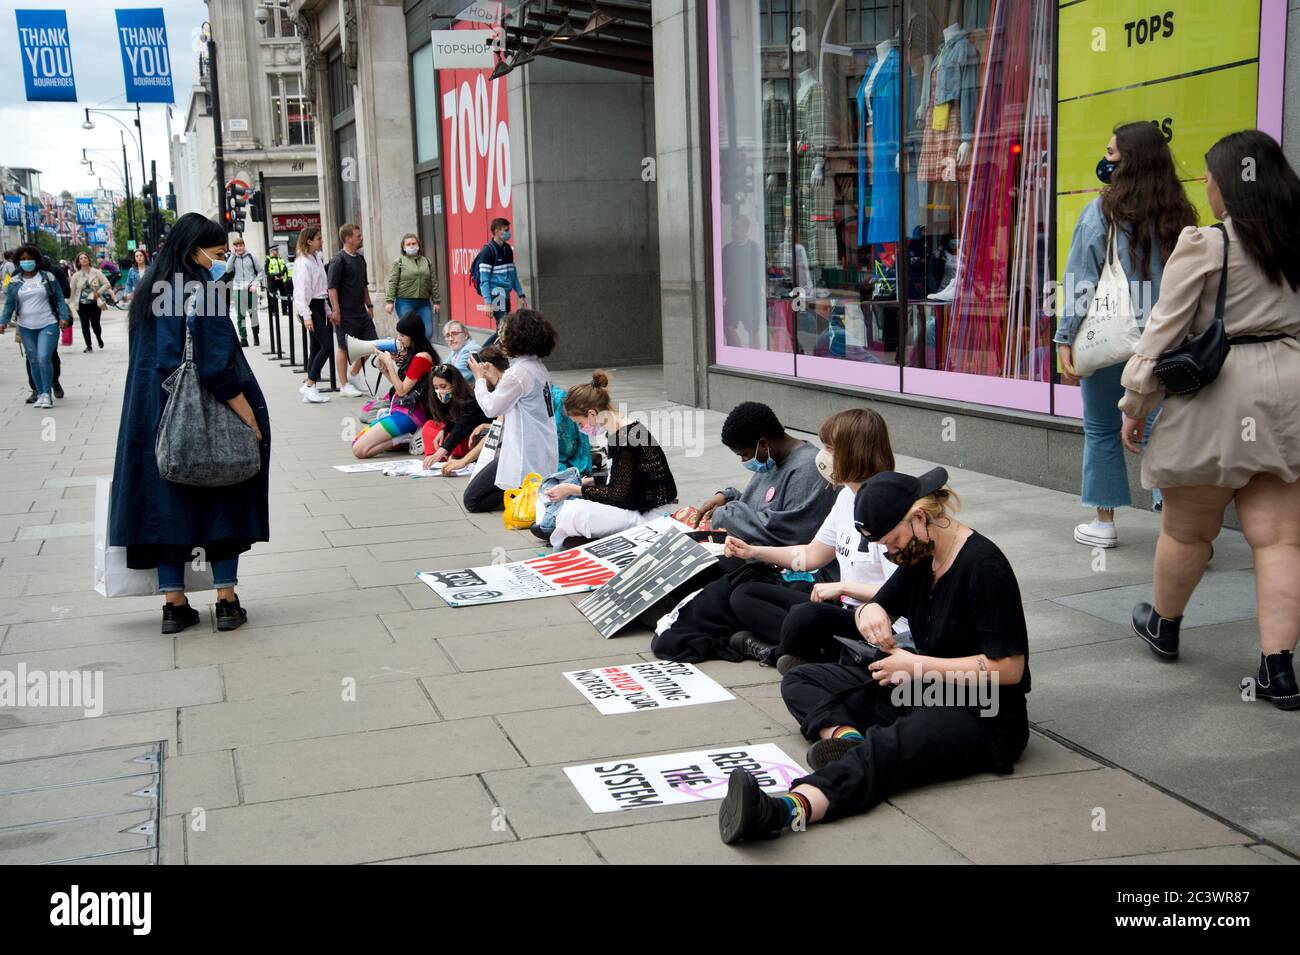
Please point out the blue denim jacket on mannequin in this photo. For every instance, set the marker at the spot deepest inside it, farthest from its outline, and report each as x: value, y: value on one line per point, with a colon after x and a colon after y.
x: 956, y: 75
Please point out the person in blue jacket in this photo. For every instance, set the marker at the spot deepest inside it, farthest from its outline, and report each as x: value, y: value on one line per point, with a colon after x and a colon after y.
x: 35, y: 298
x: 494, y: 276
x: 167, y: 525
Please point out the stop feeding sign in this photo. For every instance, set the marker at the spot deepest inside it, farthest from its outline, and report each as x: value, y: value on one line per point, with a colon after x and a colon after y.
x: 476, y: 164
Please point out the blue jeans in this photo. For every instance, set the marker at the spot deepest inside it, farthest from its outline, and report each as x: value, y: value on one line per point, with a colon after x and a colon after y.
x: 171, y: 577
x: 39, y: 344
x: 421, y: 306
x: 1105, y: 479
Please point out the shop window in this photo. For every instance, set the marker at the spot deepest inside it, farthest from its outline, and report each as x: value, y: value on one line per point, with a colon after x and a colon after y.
x: 340, y: 84
x: 424, y: 104
x: 289, y: 112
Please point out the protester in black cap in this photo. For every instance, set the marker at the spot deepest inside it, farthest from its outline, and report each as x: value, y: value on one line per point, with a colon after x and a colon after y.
x: 953, y: 708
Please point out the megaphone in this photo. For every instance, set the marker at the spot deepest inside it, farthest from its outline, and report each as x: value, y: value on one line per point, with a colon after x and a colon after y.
x: 365, y: 348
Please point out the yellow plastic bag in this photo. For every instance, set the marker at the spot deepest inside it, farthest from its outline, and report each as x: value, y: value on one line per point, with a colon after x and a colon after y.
x: 521, y: 503
x: 939, y: 116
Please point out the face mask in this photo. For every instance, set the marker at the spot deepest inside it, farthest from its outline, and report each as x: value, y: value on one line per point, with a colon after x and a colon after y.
x: 411, y: 250
x: 1105, y: 168
x: 591, y: 430
x: 505, y: 236
x: 916, y: 551
x: 826, y: 464
x: 217, y: 268
x: 27, y: 265
x: 444, y: 396
x: 757, y: 466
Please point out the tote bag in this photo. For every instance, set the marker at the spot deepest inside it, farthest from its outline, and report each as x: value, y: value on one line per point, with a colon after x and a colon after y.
x: 1109, y: 334
x: 112, y: 577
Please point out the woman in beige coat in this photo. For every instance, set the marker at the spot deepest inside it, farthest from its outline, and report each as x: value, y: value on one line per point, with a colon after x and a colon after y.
x: 1238, y: 438
x: 89, y: 286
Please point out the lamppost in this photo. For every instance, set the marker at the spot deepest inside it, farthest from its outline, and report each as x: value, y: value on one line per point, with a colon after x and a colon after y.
x: 138, y: 138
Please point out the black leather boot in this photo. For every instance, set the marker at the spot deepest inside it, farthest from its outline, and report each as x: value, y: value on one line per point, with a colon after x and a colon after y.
x: 1276, y: 682
x: 1159, y: 633
x: 257, y: 340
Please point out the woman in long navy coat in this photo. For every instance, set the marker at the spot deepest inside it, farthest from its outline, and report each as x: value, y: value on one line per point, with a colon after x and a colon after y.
x: 161, y: 524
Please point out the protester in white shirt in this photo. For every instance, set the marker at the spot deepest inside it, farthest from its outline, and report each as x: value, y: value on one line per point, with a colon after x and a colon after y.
x: 311, y: 300
x: 794, y: 622
x: 529, y: 443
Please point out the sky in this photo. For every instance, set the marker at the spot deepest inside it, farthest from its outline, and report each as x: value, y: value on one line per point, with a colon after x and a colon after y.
x: 49, y: 137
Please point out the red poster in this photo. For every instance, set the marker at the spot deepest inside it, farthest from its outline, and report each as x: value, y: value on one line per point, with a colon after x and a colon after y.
x: 475, y: 176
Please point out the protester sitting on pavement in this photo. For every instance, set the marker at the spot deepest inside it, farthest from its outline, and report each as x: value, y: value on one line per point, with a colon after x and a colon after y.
x: 164, y: 524
x: 408, y: 374
x: 639, y: 483
x: 482, y: 445
x: 523, y: 398
x: 454, y: 415
x: 1206, y: 451
x: 784, y: 504
x: 574, y: 446
x: 413, y: 284
x: 877, y: 728
x: 792, y: 623
x: 462, y: 345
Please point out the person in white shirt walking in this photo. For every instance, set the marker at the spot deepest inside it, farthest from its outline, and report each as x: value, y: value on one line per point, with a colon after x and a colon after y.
x: 311, y: 300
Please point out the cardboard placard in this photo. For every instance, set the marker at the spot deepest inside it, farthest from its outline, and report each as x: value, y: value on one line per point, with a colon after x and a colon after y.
x: 646, y: 686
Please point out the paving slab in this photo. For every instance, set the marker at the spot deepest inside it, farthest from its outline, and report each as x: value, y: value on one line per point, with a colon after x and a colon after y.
x: 555, y: 850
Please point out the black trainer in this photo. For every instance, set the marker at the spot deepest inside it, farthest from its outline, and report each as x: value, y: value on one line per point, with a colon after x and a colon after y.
x: 177, y: 617
x: 747, y: 813
x: 1276, y: 681
x: 1160, y: 633
x: 243, y: 343
x: 58, y: 391
x: 230, y: 616
x: 751, y: 647
x: 826, y: 751
x: 572, y: 542
x: 540, y: 534
x: 31, y: 399
x: 788, y: 661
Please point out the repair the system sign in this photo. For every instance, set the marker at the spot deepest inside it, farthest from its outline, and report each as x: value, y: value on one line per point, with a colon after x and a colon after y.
x: 476, y: 163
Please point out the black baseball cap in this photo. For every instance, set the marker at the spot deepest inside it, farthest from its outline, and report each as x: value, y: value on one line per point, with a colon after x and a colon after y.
x: 884, y: 500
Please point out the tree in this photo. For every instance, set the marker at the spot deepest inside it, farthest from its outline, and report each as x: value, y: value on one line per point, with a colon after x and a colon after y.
x: 120, y: 231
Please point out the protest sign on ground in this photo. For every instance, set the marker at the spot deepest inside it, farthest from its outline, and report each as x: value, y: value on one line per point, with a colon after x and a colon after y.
x: 646, y: 686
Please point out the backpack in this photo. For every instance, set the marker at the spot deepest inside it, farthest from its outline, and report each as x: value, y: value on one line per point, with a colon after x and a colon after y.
x: 478, y: 259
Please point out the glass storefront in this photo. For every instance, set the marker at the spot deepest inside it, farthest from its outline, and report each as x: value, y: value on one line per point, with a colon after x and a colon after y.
x: 887, y: 203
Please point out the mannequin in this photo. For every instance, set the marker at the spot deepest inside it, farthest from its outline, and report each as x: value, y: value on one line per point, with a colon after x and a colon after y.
x: 877, y: 102
x: 812, y: 142
x: 776, y: 164
x: 951, y: 101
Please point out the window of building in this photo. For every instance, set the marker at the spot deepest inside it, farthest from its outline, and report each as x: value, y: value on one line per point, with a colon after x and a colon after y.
x: 279, y: 25
x: 290, y: 117
x: 349, y: 193
x: 424, y: 103
x: 340, y: 84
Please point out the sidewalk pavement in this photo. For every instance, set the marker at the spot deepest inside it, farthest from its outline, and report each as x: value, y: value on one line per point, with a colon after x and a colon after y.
x: 240, y: 747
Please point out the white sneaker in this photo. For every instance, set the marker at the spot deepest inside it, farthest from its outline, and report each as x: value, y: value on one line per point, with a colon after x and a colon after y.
x: 313, y: 397
x: 358, y: 381
x: 350, y: 391
x: 1096, y: 534
x: 945, y: 294
x: 302, y: 389
x: 44, y: 401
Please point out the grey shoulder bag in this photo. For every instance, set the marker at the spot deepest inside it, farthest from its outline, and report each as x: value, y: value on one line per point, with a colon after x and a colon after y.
x: 201, y: 441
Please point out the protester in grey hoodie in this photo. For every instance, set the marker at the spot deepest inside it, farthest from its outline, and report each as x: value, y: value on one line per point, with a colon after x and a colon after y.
x: 787, y: 499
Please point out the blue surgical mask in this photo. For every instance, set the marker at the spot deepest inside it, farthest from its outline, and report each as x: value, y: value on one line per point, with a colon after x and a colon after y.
x: 27, y: 265
x: 217, y: 268
x: 505, y: 236
x: 757, y: 466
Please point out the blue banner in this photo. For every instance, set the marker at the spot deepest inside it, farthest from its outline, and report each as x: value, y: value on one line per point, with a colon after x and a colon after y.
x: 85, y: 211
x: 33, y: 218
x: 46, y: 54
x: 146, y: 62
x: 13, y: 210
x: 99, y: 234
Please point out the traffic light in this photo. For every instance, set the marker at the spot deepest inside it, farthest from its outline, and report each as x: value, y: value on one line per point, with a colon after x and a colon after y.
x: 257, y: 206
x: 237, y: 193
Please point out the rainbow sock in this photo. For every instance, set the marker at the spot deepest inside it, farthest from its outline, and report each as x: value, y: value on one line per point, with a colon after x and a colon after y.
x: 798, y: 808
x: 844, y: 732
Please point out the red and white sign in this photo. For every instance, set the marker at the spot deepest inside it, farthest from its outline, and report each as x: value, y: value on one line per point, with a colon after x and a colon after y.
x: 295, y: 221
x: 475, y: 175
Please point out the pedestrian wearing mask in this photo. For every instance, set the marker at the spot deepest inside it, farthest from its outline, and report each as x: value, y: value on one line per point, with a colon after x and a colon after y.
x: 35, y: 299
x: 413, y: 285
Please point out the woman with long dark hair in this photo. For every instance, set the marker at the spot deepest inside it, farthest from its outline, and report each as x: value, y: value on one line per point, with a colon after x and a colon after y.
x: 453, y: 415
x: 1238, y: 438
x: 167, y: 525
x: 1144, y: 208
x: 408, y: 374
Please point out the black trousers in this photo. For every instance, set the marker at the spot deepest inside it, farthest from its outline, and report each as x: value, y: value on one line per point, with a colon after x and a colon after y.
x: 54, y: 360
x: 482, y: 495
x: 766, y: 609
x: 902, y: 747
x: 89, y: 313
x: 318, y: 340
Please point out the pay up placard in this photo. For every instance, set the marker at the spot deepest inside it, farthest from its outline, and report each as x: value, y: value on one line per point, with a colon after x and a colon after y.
x: 617, y: 785
x: 646, y: 686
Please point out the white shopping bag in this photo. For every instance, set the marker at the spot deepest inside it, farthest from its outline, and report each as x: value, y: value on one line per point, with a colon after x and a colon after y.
x: 112, y: 577
x: 1109, y: 334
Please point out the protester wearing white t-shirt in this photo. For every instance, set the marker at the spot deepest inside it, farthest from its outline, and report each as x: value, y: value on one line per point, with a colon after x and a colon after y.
x: 795, y: 622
